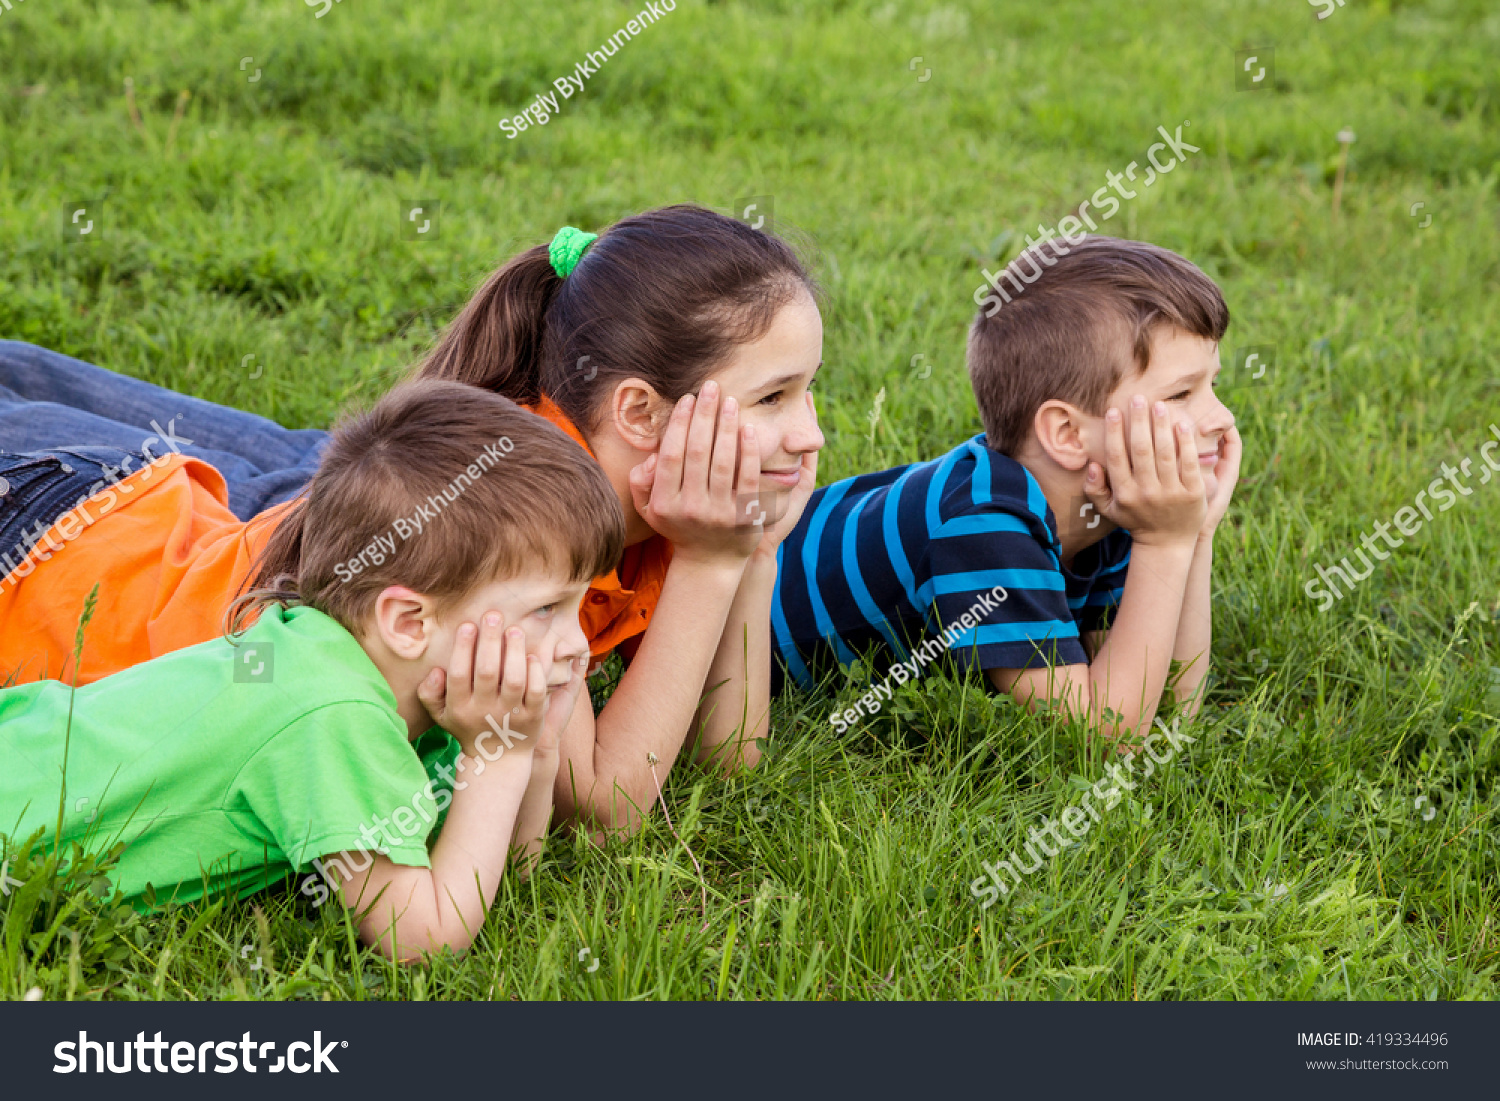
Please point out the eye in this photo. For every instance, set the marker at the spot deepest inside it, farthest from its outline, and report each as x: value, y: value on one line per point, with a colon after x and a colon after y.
x: 547, y: 609
x: 1181, y: 395
x: 771, y: 399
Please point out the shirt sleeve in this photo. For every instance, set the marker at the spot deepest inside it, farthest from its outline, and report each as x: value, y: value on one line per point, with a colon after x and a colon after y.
x: 1103, y: 598
x: 987, y: 578
x: 341, y: 777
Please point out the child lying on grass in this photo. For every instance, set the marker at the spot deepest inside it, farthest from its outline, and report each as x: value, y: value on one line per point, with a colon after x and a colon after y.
x: 1106, y: 464
x: 433, y: 570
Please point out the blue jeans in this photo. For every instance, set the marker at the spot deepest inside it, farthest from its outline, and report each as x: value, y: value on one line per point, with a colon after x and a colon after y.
x: 50, y: 401
x: 38, y: 487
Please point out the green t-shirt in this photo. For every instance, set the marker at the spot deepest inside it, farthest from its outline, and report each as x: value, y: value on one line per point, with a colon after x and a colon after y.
x: 238, y: 763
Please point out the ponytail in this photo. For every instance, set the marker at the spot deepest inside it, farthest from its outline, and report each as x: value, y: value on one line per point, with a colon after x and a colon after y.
x: 496, y: 340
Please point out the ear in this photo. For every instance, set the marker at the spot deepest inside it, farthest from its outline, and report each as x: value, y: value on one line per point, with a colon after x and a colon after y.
x: 638, y: 413
x: 404, y: 621
x: 1061, y: 431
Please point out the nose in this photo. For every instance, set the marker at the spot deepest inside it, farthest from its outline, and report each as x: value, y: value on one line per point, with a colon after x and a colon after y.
x: 805, y: 435
x: 571, y: 642
x: 1220, y: 418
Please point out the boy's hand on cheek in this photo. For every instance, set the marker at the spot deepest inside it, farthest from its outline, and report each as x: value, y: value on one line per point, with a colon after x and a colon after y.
x: 1227, y: 475
x: 1152, y: 487
x: 560, y: 705
x: 492, y: 696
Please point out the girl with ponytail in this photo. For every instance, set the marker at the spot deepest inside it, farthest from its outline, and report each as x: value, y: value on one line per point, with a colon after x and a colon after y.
x: 677, y: 349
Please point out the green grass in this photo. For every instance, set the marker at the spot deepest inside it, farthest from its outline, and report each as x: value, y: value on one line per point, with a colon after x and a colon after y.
x: 1281, y: 856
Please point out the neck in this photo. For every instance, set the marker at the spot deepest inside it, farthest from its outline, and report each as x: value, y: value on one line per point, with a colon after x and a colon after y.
x: 403, y: 677
x: 1063, y: 489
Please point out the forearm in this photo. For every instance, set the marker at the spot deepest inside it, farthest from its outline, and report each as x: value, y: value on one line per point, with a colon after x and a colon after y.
x: 608, y: 783
x: 535, y: 813
x: 1191, y: 651
x: 406, y: 910
x: 1130, y: 670
x: 736, y: 709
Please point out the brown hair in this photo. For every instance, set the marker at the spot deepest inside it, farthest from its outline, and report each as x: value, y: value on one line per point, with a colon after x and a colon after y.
x: 663, y: 296
x: 441, y: 488
x: 1071, y: 331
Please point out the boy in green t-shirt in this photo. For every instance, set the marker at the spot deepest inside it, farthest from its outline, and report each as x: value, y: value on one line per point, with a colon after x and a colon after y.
x: 433, y: 571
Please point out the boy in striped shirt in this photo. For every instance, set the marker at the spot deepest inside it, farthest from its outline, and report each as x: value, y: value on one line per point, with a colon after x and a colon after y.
x: 1067, y: 550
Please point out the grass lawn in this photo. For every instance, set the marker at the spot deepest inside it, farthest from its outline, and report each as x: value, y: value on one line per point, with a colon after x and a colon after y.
x: 1330, y: 832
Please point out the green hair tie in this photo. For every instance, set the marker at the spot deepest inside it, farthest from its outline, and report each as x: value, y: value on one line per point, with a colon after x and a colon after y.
x: 567, y: 248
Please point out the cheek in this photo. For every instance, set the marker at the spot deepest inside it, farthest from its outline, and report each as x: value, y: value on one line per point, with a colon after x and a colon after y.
x: 541, y: 635
x: 767, y: 432
x: 440, y: 651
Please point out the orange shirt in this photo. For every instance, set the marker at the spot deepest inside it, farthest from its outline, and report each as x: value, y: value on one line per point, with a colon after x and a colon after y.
x: 169, y: 558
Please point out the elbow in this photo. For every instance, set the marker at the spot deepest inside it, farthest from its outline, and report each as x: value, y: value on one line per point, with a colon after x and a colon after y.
x: 408, y: 936
x: 733, y: 756
x: 400, y: 947
x: 620, y: 816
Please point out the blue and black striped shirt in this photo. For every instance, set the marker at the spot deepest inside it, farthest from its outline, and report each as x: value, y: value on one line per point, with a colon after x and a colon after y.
x: 883, y: 563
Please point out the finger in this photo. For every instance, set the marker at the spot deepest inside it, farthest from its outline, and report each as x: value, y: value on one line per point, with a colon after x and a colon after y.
x: 1189, y: 468
x: 1116, y: 459
x: 642, y: 478
x: 432, y: 692
x: 1169, y: 451
x: 726, y: 448
x: 1142, y: 445
x: 461, y: 664
x: 577, y: 675
x: 560, y: 704
x: 536, y: 684
x: 748, y: 481
x: 671, y: 456
x: 487, y: 654
x: 700, y: 440
x: 513, y: 681
x: 1096, y: 487
x: 1230, y: 455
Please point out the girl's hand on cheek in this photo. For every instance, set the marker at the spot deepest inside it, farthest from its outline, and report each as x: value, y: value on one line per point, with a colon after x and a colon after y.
x: 689, y: 490
x: 794, y: 502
